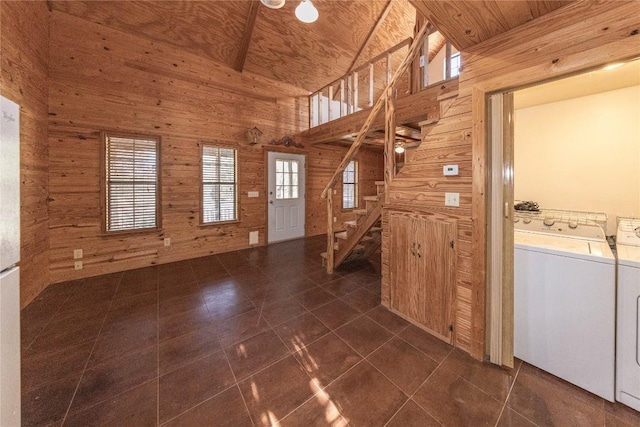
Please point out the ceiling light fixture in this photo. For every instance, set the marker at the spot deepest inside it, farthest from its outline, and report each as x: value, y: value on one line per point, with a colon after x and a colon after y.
x: 399, y: 147
x: 273, y: 4
x: 613, y: 66
x: 307, y: 12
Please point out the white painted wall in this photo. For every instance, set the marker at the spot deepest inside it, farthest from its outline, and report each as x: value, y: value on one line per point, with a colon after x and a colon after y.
x: 581, y: 154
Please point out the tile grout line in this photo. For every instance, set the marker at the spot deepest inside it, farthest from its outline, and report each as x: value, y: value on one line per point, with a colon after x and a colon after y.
x: 509, y: 395
x: 425, y: 381
x: 84, y: 370
x: 237, y: 384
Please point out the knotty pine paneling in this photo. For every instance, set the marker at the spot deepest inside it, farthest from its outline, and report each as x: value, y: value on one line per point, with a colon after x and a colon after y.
x: 103, y: 78
x: 322, y: 161
x: 559, y: 43
x: 25, y: 68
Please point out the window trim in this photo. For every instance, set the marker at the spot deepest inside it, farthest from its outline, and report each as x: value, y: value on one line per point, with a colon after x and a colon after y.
x: 103, y: 182
x: 236, y: 149
x: 355, y: 186
x: 456, y: 55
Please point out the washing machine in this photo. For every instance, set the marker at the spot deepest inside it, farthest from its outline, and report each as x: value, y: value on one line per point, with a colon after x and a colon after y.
x: 628, y: 328
x: 565, y: 299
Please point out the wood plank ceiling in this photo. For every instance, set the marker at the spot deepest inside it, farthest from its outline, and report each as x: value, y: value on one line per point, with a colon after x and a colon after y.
x: 468, y: 22
x: 247, y: 36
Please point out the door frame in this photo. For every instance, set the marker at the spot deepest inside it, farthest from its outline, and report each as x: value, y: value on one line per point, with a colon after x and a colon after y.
x: 482, y: 320
x: 297, y: 152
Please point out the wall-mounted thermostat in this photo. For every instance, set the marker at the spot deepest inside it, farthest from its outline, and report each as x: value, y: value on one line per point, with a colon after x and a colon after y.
x: 450, y: 170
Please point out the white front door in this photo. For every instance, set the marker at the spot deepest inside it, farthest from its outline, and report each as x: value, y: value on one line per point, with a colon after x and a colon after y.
x: 286, y: 196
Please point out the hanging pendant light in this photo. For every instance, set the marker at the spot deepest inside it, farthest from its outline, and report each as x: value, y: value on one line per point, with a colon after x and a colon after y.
x: 273, y: 4
x: 307, y: 12
x: 399, y: 148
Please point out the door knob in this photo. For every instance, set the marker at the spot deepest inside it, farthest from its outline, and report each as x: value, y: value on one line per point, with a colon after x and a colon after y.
x: 271, y: 201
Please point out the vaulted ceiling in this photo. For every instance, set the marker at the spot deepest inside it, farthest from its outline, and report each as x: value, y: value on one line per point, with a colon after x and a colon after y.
x: 247, y: 36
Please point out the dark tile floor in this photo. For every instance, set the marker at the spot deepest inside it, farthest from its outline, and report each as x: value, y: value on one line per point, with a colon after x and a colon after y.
x: 260, y: 337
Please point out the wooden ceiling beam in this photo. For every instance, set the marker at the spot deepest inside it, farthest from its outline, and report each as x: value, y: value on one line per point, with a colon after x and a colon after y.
x: 246, y: 36
x: 372, y: 33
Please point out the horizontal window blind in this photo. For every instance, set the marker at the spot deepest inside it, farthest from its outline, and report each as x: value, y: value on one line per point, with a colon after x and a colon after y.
x: 131, y: 182
x: 350, y: 186
x: 219, y: 184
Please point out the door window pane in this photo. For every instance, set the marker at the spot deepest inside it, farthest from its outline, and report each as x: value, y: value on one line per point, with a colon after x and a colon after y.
x: 287, y: 179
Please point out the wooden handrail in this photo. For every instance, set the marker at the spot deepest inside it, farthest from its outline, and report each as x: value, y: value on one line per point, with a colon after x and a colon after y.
x: 353, y: 150
x: 377, y: 58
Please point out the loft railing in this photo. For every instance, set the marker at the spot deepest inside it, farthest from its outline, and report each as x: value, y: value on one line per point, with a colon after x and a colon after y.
x: 386, y: 98
x: 357, y: 90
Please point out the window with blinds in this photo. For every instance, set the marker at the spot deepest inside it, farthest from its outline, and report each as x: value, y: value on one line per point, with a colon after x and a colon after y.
x: 219, y: 184
x: 131, y: 182
x: 350, y: 186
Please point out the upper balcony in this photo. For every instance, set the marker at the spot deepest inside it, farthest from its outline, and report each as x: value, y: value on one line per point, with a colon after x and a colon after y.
x: 357, y: 91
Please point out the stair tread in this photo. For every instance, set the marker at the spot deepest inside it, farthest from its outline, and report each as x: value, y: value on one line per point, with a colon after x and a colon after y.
x: 342, y: 235
x: 370, y: 198
x: 360, y: 211
x: 452, y: 94
x: 352, y: 224
x: 428, y: 122
x: 379, y: 182
x: 375, y: 229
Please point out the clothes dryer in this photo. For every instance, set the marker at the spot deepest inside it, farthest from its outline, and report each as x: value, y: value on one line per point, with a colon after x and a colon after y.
x: 628, y: 327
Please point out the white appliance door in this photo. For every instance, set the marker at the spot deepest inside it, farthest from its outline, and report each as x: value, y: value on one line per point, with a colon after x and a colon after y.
x: 9, y: 183
x: 286, y: 196
x: 628, y: 337
x: 10, y: 347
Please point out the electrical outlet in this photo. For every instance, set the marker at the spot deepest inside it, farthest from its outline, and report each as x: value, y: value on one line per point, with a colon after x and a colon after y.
x: 77, y: 253
x: 452, y: 199
x: 77, y: 265
x: 335, y: 219
x: 167, y: 241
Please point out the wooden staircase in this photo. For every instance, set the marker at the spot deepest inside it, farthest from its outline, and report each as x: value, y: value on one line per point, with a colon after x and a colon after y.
x: 369, y: 216
x: 362, y: 235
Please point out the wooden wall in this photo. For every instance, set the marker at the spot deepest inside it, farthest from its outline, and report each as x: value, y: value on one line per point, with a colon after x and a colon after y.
x: 321, y: 164
x: 25, y: 63
x: 572, y: 39
x: 103, y: 78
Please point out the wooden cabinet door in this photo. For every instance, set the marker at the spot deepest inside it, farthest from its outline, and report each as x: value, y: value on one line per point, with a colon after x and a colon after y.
x: 422, y: 268
x: 437, y: 275
x: 403, y: 289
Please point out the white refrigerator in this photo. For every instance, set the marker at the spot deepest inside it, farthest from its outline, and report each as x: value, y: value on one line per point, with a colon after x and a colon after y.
x: 9, y: 257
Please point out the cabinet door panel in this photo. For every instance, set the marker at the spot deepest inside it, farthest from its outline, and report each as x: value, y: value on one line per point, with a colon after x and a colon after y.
x: 438, y: 269
x: 422, y: 269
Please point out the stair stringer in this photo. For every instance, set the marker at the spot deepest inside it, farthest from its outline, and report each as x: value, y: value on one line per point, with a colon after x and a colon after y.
x: 356, y: 234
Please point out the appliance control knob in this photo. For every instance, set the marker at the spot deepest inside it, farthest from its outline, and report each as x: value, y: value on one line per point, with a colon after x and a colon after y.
x: 573, y: 224
x: 526, y: 220
x: 549, y: 222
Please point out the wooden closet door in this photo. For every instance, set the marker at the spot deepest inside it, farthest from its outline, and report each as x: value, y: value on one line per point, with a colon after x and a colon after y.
x: 403, y: 288
x: 422, y: 271
x: 437, y: 275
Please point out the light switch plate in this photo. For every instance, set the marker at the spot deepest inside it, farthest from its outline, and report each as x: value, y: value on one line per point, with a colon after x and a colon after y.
x: 452, y: 199
x: 77, y: 254
x: 167, y: 241
x: 450, y: 170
